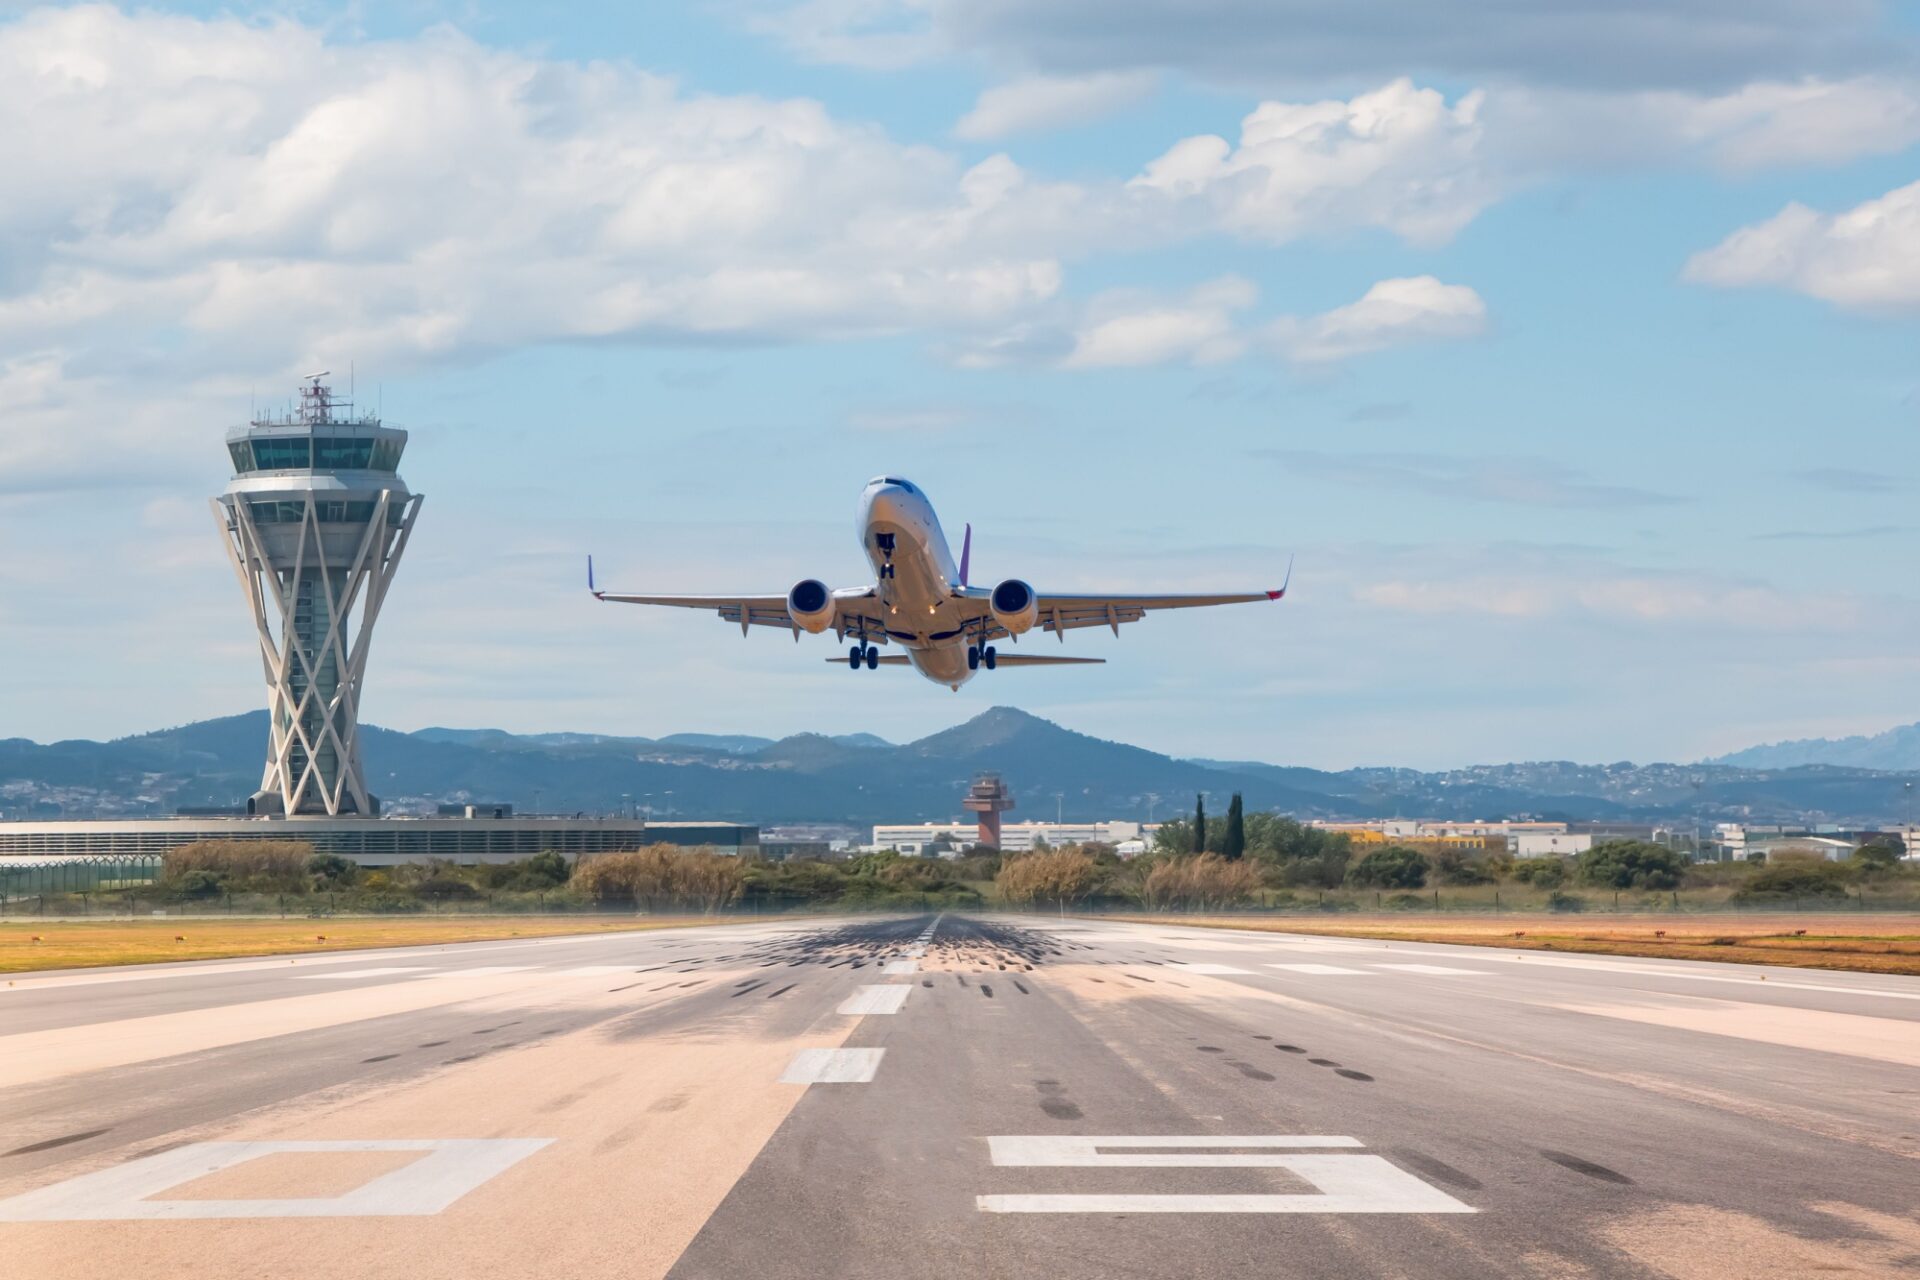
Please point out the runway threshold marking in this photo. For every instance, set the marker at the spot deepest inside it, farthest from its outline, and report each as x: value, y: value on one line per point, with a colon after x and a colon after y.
x: 833, y: 1066
x: 878, y: 1000
x: 449, y: 1169
x: 1345, y: 1181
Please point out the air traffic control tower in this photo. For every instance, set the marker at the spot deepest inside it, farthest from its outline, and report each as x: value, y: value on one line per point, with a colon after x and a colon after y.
x: 315, y: 520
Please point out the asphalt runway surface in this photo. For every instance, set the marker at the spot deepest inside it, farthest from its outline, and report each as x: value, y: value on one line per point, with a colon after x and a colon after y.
x: 958, y: 1097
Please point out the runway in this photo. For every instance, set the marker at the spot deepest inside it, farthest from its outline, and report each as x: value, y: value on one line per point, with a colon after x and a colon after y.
x: 958, y: 1097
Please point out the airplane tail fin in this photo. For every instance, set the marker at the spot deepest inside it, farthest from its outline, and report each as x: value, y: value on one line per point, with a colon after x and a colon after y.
x: 966, y: 554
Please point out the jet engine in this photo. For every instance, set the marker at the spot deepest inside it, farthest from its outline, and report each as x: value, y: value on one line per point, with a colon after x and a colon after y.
x: 810, y: 605
x: 1015, y: 607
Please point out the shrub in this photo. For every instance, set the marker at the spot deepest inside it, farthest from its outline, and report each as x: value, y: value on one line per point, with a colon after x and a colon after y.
x: 1795, y: 878
x: 198, y: 883
x: 1558, y: 901
x: 331, y: 871
x: 1394, y: 867
x: 1406, y: 902
x: 1198, y: 882
x: 1453, y: 866
x: 1058, y: 876
x: 661, y: 876
x: 260, y: 866
x: 1631, y: 864
x: 1541, y: 873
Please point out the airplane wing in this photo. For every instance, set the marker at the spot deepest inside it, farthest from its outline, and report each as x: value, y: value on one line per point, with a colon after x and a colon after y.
x: 853, y: 606
x: 1061, y: 613
x: 1004, y: 660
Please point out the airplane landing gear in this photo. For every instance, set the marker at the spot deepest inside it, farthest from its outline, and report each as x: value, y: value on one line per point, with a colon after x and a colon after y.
x: 990, y: 657
x: 873, y: 657
x: 863, y: 653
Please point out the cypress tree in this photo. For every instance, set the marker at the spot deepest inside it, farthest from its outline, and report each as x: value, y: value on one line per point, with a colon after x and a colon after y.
x: 1200, y: 823
x: 1235, y: 843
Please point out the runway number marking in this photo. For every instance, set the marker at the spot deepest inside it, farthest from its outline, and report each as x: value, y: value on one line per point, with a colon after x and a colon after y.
x: 450, y: 1169
x: 1344, y: 1180
x: 874, y: 1000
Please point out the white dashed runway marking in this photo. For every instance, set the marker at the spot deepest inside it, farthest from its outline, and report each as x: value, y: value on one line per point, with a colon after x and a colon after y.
x: 874, y: 1000
x: 483, y: 971
x: 450, y: 1169
x: 900, y: 966
x: 1328, y: 970
x: 381, y: 972
x: 1344, y: 1182
x: 833, y: 1066
x: 1431, y: 968
x: 1211, y: 970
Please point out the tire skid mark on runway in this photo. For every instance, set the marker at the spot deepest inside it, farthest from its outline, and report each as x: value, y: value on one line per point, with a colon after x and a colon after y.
x: 50, y: 1143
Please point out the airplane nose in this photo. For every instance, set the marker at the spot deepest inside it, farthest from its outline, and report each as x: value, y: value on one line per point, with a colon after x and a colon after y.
x: 887, y: 503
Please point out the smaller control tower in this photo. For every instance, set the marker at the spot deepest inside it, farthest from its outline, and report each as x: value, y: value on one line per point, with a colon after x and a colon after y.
x: 988, y: 797
x: 315, y: 519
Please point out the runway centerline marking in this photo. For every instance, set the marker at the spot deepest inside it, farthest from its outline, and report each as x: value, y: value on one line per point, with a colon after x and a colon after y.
x: 833, y: 1066
x: 379, y: 972
x: 478, y: 971
x: 876, y: 1000
x: 1344, y: 1181
x: 450, y: 1169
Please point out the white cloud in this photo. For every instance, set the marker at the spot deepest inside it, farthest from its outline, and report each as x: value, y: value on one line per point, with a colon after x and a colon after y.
x: 1867, y: 258
x: 1602, y: 593
x: 433, y: 196
x: 1052, y: 102
x: 1399, y: 158
x: 1392, y: 313
x: 1125, y: 328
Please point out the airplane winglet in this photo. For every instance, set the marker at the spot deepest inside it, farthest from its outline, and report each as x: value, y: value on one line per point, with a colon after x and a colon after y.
x: 1284, y: 583
x: 966, y: 554
x: 597, y: 595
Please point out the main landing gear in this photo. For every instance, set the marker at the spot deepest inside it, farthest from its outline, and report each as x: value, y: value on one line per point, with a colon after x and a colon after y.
x: 978, y: 657
x: 863, y: 653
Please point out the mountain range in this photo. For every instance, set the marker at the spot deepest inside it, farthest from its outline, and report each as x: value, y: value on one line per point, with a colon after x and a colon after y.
x: 859, y: 779
x: 1897, y: 749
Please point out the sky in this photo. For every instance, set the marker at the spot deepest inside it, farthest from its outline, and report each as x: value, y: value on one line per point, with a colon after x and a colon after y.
x: 1572, y: 352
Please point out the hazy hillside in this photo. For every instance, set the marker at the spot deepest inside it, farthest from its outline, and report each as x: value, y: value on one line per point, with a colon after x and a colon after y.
x: 1896, y: 749
x: 859, y: 779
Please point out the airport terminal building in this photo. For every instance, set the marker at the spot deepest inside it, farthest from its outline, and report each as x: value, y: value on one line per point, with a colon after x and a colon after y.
x: 377, y: 842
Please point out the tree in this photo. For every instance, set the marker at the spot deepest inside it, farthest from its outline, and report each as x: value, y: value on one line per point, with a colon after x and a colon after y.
x: 1200, y: 823
x: 1234, y: 843
x: 1795, y: 877
x: 1631, y: 864
x: 1394, y: 867
x: 1878, y: 854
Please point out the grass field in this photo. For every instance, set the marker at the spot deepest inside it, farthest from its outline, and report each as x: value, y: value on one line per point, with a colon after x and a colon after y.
x: 64, y: 944
x: 1862, y: 943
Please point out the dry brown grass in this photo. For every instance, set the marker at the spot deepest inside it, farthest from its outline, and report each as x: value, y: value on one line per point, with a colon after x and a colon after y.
x: 1861, y: 943
x: 64, y: 944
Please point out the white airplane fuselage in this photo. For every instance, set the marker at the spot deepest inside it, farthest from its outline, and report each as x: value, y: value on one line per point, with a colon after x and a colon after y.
x: 916, y: 579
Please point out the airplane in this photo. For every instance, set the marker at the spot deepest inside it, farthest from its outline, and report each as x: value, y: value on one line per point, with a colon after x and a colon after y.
x: 921, y: 601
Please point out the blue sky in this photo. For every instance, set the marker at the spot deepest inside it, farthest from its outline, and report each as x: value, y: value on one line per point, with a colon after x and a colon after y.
x: 1574, y: 358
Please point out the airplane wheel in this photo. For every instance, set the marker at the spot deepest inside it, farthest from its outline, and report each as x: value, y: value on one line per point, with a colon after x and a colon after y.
x: 973, y: 657
x: 873, y: 658
x: 853, y: 658
x: 990, y: 657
